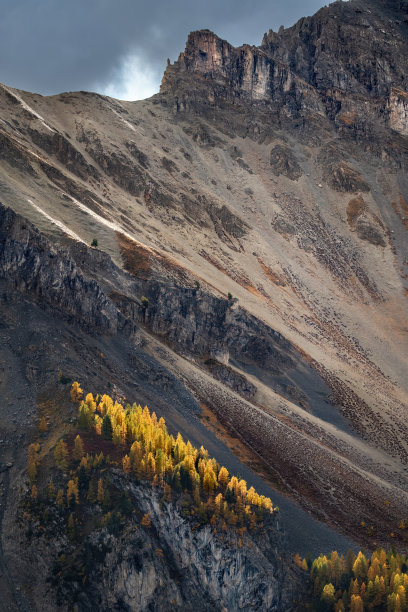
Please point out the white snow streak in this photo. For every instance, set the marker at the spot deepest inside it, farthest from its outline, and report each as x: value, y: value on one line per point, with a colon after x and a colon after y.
x: 113, y: 226
x: 127, y: 123
x: 28, y: 108
x: 56, y: 222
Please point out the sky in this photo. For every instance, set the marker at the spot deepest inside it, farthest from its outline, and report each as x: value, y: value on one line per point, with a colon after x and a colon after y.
x: 120, y: 47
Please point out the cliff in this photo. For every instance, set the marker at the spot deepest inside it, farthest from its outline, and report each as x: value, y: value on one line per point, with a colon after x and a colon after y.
x: 171, y: 563
x: 339, y: 66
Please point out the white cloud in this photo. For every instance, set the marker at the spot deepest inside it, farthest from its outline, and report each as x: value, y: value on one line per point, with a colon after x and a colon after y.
x: 133, y: 80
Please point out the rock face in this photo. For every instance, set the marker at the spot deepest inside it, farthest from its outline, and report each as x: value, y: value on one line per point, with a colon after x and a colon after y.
x: 284, y: 162
x: 328, y: 66
x: 34, y: 266
x: 201, y: 573
x: 398, y: 108
x: 174, y: 564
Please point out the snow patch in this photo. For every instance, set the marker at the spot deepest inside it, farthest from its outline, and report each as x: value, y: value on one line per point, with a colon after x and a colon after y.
x: 113, y: 226
x: 28, y: 108
x: 129, y: 125
x: 59, y: 224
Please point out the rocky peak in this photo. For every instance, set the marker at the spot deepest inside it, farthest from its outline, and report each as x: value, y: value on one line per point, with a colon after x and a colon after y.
x: 206, y: 52
x: 358, y: 47
x: 324, y: 69
x: 244, y: 72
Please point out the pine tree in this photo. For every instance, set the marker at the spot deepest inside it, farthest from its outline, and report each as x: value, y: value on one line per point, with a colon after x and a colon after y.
x: 91, y: 495
x: 106, y: 499
x: 84, y: 417
x: 78, y: 451
x: 72, y: 494
x: 61, y: 455
x: 51, y: 493
x: 360, y: 566
x: 356, y: 604
x: 223, y: 477
x: 60, y: 498
x: 126, y: 464
x: 209, y: 480
x: 71, y: 528
x: 107, y: 428
x: 219, y: 502
x: 83, y: 479
x: 126, y: 504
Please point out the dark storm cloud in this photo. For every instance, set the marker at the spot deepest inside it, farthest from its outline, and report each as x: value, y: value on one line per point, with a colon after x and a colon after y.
x: 50, y: 46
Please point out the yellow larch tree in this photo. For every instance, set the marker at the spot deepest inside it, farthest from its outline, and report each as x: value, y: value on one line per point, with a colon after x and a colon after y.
x: 76, y: 392
x: 78, y: 451
x: 100, y: 492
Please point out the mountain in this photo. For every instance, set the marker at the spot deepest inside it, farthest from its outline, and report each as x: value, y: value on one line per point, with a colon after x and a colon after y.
x: 249, y: 280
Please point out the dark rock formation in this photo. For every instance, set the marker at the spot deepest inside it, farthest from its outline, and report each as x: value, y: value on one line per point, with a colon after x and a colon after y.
x: 316, y: 75
x: 56, y: 144
x: 231, y: 378
x: 173, y: 564
x: 283, y: 161
x: 33, y: 266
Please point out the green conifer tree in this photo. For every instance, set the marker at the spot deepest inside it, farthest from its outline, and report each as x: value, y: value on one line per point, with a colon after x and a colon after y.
x: 107, y: 427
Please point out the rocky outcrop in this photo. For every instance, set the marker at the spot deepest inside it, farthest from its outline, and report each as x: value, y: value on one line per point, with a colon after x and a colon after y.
x: 58, y: 145
x: 283, y: 161
x: 174, y: 563
x: 246, y: 73
x: 321, y: 72
x: 231, y: 378
x: 316, y: 52
x: 200, y: 323
x: 398, y: 108
x: 194, y: 569
x: 33, y: 266
x: 193, y: 321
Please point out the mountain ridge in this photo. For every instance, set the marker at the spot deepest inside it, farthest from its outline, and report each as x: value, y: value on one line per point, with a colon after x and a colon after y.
x: 260, y: 211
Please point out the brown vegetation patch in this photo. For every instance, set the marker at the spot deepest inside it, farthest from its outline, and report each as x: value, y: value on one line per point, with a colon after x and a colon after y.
x: 355, y: 208
x: 94, y: 444
x: 403, y: 205
x: 136, y: 258
x: 140, y: 261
